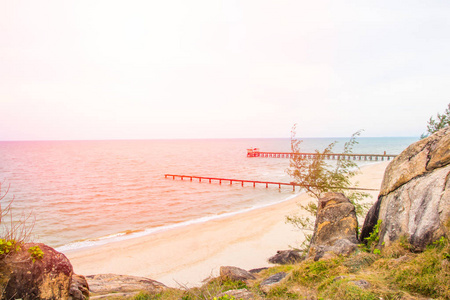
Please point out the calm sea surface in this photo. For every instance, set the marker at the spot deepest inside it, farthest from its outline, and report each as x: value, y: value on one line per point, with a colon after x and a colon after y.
x: 83, y: 193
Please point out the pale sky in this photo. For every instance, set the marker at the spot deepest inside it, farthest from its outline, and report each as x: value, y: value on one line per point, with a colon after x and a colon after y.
x: 221, y: 69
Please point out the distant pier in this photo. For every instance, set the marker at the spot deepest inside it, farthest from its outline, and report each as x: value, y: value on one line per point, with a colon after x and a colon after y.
x: 242, y: 181
x: 255, y: 152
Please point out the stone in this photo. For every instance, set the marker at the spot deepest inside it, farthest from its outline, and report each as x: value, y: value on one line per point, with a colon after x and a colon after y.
x: 257, y: 270
x: 414, y: 199
x: 284, y: 257
x: 417, y: 159
x: 363, y: 284
x: 335, y: 230
x: 79, y: 288
x: 45, y: 278
x: 274, y: 278
x: 102, y: 284
x: 272, y: 281
x: 235, y: 273
x: 243, y: 294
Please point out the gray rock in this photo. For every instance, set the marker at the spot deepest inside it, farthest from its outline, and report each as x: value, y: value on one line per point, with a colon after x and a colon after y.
x: 102, y: 284
x: 361, y: 284
x: 235, y: 273
x: 45, y: 278
x: 414, y: 198
x: 284, y: 257
x: 258, y: 270
x: 270, y: 282
x: 335, y: 231
x: 274, y: 279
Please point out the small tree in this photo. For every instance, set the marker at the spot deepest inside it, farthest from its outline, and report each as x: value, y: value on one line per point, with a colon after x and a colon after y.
x: 317, y: 177
x: 442, y: 121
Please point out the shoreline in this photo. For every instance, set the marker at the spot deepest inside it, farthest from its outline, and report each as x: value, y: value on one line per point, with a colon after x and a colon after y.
x: 185, y: 256
x: 122, y: 236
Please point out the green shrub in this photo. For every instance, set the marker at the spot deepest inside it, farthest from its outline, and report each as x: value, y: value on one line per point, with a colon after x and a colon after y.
x: 36, y: 253
x: 8, y: 246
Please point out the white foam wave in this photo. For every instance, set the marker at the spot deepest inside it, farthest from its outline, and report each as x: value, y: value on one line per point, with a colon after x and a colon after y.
x: 121, y: 236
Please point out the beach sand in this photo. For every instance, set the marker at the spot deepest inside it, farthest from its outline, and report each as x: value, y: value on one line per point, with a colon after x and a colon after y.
x: 187, y: 255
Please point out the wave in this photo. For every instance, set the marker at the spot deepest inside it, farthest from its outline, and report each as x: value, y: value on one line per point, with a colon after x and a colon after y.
x: 129, y: 234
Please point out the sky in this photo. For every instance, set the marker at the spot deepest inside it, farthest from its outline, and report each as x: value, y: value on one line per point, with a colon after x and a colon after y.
x: 82, y: 70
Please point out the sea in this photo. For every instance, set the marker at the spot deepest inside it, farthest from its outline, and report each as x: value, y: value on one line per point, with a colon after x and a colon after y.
x: 76, y: 194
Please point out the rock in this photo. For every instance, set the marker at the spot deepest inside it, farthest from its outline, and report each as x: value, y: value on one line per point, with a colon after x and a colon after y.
x: 272, y: 281
x: 284, y: 257
x: 111, y: 283
x: 235, y: 274
x: 258, y: 270
x: 361, y: 284
x: 419, y: 158
x: 79, y: 288
x: 238, y: 294
x: 45, y: 278
x: 414, y: 199
x: 335, y: 231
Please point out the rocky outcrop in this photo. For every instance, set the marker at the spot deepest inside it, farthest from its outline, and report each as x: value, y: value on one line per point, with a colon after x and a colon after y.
x: 48, y: 277
x: 105, y: 284
x: 235, y: 273
x: 414, y: 198
x: 79, y: 288
x: 335, y: 231
x: 272, y: 281
x: 284, y: 257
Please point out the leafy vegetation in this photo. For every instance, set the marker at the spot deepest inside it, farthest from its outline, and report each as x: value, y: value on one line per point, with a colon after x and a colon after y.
x: 317, y: 177
x: 373, y: 239
x: 441, y: 121
x: 36, y: 253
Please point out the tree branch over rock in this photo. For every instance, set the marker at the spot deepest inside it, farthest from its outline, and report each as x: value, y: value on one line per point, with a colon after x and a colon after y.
x: 317, y: 177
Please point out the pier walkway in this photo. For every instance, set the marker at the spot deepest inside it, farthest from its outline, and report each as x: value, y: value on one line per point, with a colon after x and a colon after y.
x: 255, y: 152
x: 241, y: 181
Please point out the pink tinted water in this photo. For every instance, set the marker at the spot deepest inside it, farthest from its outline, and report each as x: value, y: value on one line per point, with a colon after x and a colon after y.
x: 87, y: 190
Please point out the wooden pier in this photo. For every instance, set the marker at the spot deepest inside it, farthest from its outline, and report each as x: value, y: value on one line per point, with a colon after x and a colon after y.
x: 241, y: 181
x: 254, y: 152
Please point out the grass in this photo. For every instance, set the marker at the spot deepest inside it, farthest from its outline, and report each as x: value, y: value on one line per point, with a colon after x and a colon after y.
x: 394, y: 273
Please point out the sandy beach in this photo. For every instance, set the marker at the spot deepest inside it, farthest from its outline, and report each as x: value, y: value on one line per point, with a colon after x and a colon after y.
x: 187, y: 255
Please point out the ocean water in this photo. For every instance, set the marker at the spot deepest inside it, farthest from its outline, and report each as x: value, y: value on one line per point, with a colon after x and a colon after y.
x: 84, y: 193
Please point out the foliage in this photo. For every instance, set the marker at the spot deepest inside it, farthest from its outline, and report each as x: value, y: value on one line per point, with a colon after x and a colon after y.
x: 442, y: 121
x: 317, y: 177
x: 8, y: 246
x: 36, y: 253
x: 373, y: 239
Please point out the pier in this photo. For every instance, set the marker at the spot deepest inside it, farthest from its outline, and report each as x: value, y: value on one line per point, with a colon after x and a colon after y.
x: 242, y: 181
x: 255, y: 152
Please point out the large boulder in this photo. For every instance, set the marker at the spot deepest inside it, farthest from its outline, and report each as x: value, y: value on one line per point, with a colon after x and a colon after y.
x: 235, y: 273
x: 335, y: 231
x: 48, y: 277
x: 106, y: 284
x: 285, y: 257
x: 414, y: 199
